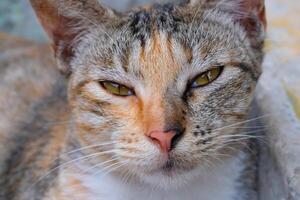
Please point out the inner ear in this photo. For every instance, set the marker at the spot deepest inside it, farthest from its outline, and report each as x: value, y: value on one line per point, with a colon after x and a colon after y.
x: 65, y: 21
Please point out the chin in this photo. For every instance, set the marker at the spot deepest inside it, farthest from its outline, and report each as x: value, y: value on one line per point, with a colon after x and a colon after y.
x: 170, y: 176
x: 169, y: 180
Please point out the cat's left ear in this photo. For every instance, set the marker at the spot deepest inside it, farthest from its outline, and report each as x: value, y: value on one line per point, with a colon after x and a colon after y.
x: 65, y: 21
x: 250, y: 14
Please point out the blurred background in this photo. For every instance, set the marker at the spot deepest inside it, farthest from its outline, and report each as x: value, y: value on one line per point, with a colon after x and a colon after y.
x: 17, y: 17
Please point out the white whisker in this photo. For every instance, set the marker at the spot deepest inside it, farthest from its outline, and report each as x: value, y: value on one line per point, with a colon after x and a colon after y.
x: 243, y: 122
x: 111, y: 167
x: 89, y: 147
x: 67, y: 164
x: 99, y: 164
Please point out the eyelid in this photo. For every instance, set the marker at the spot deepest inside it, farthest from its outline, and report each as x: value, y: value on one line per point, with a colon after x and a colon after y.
x: 208, y: 69
x: 115, y: 82
x: 221, y: 67
x: 117, y: 86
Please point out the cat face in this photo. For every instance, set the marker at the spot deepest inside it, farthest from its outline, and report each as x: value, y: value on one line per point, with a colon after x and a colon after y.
x: 184, y: 71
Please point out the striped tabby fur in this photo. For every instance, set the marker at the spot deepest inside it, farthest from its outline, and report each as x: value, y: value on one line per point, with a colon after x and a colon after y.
x: 64, y: 137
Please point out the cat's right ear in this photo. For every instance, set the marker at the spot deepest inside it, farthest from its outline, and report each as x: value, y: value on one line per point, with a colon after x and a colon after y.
x: 66, y: 20
x: 250, y: 14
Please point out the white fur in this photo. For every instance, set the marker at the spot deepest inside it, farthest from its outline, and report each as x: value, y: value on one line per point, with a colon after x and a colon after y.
x: 219, y: 183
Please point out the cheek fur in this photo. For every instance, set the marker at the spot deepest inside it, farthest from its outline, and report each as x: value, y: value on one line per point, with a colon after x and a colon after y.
x: 219, y: 107
x: 123, y: 121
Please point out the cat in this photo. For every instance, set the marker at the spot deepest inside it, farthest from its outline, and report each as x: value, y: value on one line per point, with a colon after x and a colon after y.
x: 150, y: 104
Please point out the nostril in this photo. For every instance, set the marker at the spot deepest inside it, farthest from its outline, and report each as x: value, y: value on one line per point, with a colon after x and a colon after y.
x: 177, y: 137
x: 163, y: 139
x: 155, y: 140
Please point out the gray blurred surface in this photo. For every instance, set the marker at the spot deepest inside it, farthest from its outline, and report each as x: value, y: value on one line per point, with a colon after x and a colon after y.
x: 17, y: 17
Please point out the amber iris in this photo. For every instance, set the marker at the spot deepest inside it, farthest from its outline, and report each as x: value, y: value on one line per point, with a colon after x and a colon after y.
x: 117, y: 89
x: 207, y: 77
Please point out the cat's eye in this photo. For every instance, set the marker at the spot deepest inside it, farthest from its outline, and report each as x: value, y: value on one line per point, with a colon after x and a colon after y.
x: 117, y: 89
x: 207, y: 77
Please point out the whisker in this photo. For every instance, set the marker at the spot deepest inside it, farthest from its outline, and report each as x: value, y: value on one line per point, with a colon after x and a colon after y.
x: 115, y: 168
x: 246, y: 121
x: 82, y: 148
x: 67, y: 164
x: 247, y: 134
x: 250, y: 127
x: 234, y: 140
x: 89, y: 147
x: 110, y: 167
x: 238, y: 135
x: 125, y: 177
x: 241, y: 141
x: 245, y: 144
x: 100, y: 164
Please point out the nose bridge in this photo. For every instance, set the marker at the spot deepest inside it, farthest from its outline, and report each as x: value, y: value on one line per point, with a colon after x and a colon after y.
x: 159, y: 69
x: 159, y: 64
x: 154, y: 112
x: 163, y: 112
x: 174, y: 113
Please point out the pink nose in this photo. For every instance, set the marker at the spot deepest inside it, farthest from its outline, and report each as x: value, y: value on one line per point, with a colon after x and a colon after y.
x: 164, y: 139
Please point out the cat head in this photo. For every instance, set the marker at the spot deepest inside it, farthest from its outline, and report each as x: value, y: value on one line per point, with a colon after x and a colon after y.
x: 164, y: 86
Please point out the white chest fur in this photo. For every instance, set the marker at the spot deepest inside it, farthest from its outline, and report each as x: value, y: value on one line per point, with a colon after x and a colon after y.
x: 218, y: 183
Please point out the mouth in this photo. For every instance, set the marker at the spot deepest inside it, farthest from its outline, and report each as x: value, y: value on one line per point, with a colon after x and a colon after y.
x: 172, y: 167
x: 168, y: 166
x: 170, y: 172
